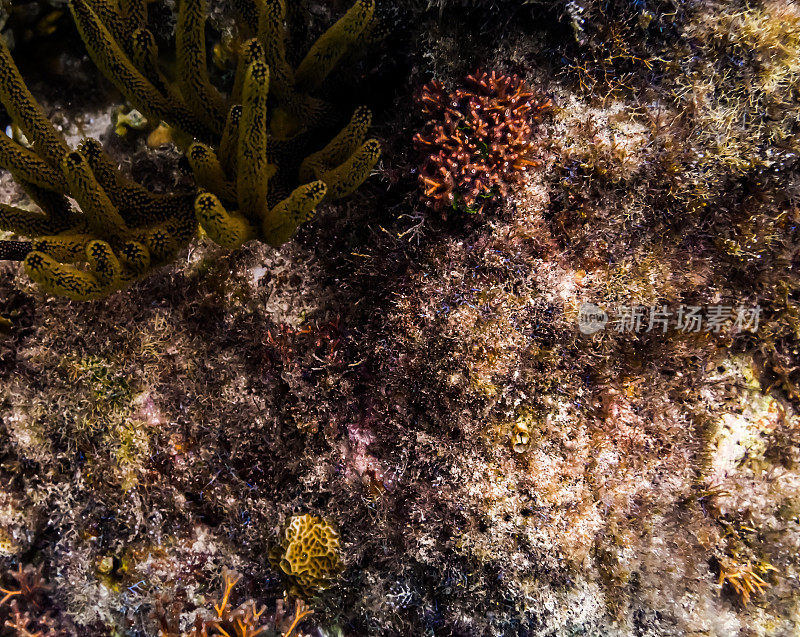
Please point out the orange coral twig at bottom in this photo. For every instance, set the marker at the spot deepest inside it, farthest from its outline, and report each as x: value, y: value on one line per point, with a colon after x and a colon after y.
x: 743, y: 578
x: 229, y: 584
x: 301, y: 611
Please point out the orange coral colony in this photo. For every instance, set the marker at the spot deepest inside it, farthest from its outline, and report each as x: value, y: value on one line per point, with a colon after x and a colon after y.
x: 478, y: 141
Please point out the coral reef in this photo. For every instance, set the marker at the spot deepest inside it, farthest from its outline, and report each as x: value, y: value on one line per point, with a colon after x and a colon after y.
x: 478, y: 141
x: 122, y: 232
x: 309, y: 553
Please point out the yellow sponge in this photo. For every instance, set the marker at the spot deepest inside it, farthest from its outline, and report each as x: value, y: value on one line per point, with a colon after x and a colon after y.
x: 310, y: 553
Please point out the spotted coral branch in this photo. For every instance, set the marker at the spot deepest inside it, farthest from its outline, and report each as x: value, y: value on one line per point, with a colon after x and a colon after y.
x: 332, y: 45
x: 245, y: 150
x: 110, y: 58
x: 25, y: 111
x: 245, y: 141
x: 192, y: 74
x: 120, y: 230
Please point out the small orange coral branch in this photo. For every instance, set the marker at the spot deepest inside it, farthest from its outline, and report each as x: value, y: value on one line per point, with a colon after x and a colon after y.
x: 31, y: 585
x: 743, y: 579
x: 246, y: 624
x: 241, y: 621
x: 301, y: 611
x: 8, y: 595
x: 221, y: 608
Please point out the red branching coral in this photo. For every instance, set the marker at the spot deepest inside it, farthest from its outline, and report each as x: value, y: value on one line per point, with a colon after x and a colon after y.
x: 27, y: 611
x: 227, y: 621
x: 479, y: 139
x: 32, y: 585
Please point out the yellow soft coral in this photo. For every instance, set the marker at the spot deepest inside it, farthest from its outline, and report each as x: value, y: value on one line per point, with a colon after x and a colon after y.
x: 119, y: 231
x: 244, y: 148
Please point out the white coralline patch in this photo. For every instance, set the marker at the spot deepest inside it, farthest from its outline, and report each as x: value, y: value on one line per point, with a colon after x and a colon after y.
x: 285, y: 282
x: 257, y: 274
x: 24, y: 434
x: 740, y: 434
x: 737, y: 436
x: 616, y: 138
